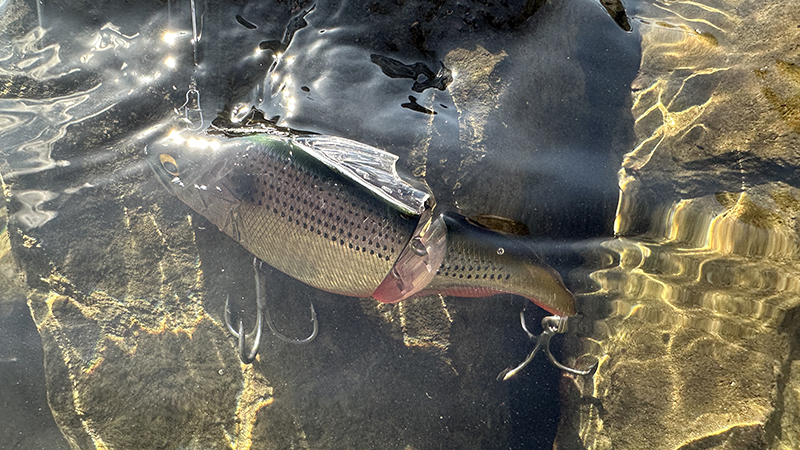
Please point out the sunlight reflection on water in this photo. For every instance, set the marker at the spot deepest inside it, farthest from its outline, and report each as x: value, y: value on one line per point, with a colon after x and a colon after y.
x: 703, y: 266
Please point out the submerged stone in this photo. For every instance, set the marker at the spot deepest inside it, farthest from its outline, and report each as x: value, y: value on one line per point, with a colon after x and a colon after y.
x: 694, y: 314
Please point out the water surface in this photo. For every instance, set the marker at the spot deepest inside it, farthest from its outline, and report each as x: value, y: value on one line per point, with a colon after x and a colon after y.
x: 555, y: 114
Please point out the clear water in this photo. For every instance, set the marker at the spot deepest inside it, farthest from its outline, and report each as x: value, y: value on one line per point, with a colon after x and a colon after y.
x: 119, y: 288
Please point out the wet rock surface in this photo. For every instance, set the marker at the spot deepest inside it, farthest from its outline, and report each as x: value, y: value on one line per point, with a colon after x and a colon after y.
x: 694, y: 314
x: 136, y: 355
x: 127, y: 287
x: 28, y: 422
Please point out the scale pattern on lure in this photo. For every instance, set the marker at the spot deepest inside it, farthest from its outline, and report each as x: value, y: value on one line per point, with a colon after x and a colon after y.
x: 285, y: 207
x: 483, y: 261
x: 335, y: 214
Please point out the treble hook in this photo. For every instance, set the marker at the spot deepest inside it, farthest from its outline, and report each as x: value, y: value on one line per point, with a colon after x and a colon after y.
x: 261, y: 311
x: 192, y: 112
x: 246, y: 357
x: 551, y: 325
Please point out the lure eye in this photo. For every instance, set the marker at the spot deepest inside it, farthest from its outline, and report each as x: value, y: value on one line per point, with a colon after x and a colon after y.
x: 169, y: 164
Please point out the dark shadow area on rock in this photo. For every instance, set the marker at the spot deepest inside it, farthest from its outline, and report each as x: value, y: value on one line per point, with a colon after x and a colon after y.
x: 24, y: 411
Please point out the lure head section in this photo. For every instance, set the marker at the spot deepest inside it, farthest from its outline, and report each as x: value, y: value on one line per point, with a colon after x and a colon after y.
x: 177, y: 161
x: 196, y: 170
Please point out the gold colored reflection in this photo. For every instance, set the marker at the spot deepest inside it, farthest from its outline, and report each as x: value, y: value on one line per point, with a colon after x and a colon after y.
x: 117, y: 343
x: 694, y: 316
x: 695, y: 322
x: 730, y: 258
x: 473, y: 95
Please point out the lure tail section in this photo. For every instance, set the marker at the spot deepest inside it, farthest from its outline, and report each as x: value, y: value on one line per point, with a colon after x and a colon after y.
x: 478, y: 258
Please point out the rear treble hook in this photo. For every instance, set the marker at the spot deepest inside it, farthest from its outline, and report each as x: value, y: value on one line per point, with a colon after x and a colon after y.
x: 246, y: 356
x: 551, y: 325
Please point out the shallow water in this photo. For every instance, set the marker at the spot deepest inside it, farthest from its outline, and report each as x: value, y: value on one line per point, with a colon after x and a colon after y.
x: 555, y: 116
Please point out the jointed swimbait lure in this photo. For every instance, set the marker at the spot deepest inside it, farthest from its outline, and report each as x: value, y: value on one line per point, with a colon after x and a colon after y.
x: 335, y: 214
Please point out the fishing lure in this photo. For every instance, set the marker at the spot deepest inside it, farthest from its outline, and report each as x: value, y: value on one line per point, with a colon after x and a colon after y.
x: 336, y: 215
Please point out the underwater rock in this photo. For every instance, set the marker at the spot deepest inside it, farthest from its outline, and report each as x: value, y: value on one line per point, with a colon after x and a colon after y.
x: 127, y: 287
x: 695, y: 309
x: 696, y: 330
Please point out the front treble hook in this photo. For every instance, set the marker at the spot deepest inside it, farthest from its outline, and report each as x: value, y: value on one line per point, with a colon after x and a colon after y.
x: 551, y: 325
x: 246, y: 356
